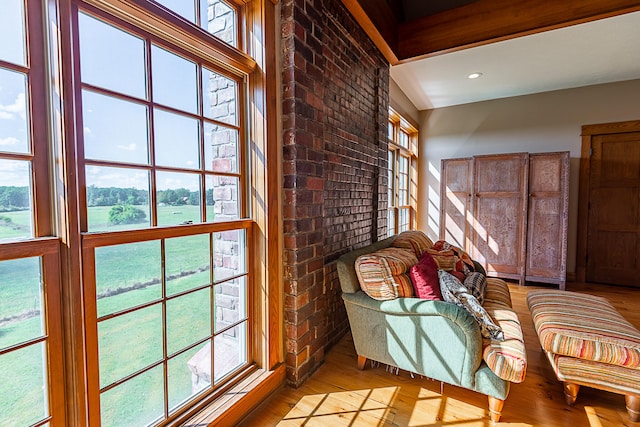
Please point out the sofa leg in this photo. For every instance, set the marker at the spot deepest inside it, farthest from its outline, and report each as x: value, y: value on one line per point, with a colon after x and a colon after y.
x: 362, y: 361
x: 633, y: 408
x: 570, y: 392
x: 495, y: 408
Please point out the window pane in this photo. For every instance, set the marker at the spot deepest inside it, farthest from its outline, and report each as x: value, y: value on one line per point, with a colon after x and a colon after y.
x: 188, y: 319
x: 187, y: 262
x: 21, y: 307
x: 219, y: 19
x: 390, y: 131
x: 220, y: 97
x: 137, y: 402
x: 12, y: 34
x: 403, y: 220
x: 116, y: 336
x: 16, y: 210
x: 111, y: 58
x: 127, y: 275
x: 178, y: 198
x: 174, y: 80
x: 229, y: 257
x: 391, y: 222
x: 404, y: 139
x: 184, y: 8
x: 220, y: 148
x: 114, y: 129
x: 117, y: 198
x: 23, y: 386
x: 188, y: 374
x: 230, y: 302
x: 222, y: 192
x: 14, y: 121
x: 230, y: 351
x: 176, y: 140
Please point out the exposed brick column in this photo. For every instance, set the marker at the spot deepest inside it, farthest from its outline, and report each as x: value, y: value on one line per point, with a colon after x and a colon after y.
x: 335, y: 111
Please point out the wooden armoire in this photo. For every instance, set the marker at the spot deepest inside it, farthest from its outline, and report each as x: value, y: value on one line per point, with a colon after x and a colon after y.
x: 509, y: 212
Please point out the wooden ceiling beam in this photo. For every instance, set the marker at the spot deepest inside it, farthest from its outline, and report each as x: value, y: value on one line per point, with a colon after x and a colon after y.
x: 488, y: 21
x: 380, y: 21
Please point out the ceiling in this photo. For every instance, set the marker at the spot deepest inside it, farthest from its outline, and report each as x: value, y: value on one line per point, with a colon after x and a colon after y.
x: 601, y: 51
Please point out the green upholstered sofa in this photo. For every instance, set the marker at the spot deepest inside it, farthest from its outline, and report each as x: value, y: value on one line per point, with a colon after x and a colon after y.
x: 436, y: 339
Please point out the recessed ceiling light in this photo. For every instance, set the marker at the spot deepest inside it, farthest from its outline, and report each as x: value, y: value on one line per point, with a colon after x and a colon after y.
x: 474, y: 75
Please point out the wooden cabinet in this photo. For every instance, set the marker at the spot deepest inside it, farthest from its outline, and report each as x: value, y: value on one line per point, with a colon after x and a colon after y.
x: 547, y: 218
x: 509, y: 211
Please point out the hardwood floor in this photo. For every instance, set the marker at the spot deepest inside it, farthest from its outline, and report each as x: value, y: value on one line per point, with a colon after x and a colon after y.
x: 338, y: 394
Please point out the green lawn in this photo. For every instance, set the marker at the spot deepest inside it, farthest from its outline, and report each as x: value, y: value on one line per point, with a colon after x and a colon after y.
x: 127, y: 343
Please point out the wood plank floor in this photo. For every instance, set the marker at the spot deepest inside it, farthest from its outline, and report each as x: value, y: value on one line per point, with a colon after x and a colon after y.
x: 338, y: 394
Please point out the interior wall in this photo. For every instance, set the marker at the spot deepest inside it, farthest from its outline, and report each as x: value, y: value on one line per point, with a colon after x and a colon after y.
x: 536, y: 123
x: 402, y: 104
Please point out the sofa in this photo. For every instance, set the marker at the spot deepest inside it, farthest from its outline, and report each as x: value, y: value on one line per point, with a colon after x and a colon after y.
x: 436, y: 339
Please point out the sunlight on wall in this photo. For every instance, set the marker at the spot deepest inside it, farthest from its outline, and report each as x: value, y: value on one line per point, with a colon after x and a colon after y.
x: 433, y: 207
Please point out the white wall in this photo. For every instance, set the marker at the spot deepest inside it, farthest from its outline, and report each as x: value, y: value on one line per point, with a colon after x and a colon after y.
x: 401, y: 103
x: 543, y: 122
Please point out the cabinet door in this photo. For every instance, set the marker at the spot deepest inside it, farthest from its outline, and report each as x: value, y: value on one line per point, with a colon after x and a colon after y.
x: 456, y: 177
x: 548, y: 215
x: 500, y: 212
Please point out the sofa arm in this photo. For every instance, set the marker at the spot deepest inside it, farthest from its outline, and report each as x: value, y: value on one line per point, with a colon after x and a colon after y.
x: 433, y: 338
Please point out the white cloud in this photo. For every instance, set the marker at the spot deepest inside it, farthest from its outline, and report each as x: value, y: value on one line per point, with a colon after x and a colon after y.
x: 128, y: 147
x: 87, y: 131
x: 9, y: 141
x: 17, y: 108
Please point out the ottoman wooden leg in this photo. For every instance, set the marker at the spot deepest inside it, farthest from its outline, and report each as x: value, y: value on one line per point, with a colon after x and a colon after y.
x: 633, y: 407
x: 495, y: 408
x: 570, y: 392
x: 362, y: 361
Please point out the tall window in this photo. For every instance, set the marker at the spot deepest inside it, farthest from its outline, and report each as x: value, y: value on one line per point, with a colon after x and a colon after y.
x: 30, y: 330
x: 403, y: 138
x: 134, y: 201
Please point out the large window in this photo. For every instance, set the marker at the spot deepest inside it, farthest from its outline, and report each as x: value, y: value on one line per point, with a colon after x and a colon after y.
x: 402, y: 176
x: 126, y: 187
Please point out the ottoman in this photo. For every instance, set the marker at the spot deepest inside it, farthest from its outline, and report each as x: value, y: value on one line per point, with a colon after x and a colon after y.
x: 588, y: 343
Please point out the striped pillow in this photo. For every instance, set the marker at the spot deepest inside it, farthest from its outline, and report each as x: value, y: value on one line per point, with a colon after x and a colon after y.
x: 445, y: 259
x: 506, y: 358
x: 383, y: 275
x: 414, y: 240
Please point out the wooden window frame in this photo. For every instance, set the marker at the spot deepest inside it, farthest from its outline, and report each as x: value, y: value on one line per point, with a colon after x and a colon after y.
x: 61, y: 200
x: 401, y: 125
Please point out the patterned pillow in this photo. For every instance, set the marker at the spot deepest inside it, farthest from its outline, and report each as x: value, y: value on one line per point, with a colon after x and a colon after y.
x: 476, y: 283
x: 424, y: 277
x: 445, y: 259
x: 463, y: 261
x: 383, y: 274
x: 455, y: 292
x: 414, y: 240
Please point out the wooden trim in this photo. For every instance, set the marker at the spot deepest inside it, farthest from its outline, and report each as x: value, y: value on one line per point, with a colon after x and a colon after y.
x: 236, y: 403
x: 177, y: 31
x: 487, y: 21
x: 93, y: 240
x: 383, y: 33
x: 588, y: 133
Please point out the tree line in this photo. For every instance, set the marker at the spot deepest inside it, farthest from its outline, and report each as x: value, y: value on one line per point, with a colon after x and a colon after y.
x: 17, y: 198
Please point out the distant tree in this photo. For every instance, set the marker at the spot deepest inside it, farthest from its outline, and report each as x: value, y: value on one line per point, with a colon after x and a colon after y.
x: 126, y: 214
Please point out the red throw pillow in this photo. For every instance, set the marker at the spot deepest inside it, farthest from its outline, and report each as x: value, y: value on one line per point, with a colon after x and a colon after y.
x: 424, y: 277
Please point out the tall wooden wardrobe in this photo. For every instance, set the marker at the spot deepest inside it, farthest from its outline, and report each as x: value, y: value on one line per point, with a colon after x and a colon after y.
x: 510, y: 212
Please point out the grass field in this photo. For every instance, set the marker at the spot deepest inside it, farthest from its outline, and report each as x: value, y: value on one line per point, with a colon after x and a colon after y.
x: 130, y: 274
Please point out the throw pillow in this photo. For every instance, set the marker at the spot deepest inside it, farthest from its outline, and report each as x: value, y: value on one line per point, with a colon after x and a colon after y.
x: 476, y: 283
x: 383, y: 274
x: 413, y: 240
x: 424, y: 277
x: 455, y: 292
x: 445, y: 259
x: 463, y: 261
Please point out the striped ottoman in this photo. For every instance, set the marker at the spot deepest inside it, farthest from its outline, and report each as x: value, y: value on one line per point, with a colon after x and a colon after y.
x: 588, y: 343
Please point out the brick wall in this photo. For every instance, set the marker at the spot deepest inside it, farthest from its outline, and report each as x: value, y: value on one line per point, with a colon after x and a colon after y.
x: 335, y: 112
